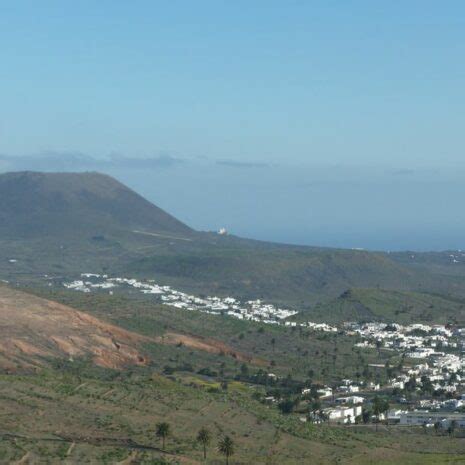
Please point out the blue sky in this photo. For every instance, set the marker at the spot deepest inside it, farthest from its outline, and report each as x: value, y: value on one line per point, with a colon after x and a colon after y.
x: 357, y: 84
x: 331, y: 81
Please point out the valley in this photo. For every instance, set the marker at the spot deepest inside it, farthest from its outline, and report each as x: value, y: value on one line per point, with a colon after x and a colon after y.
x: 126, y: 319
x: 231, y: 233
x: 88, y: 412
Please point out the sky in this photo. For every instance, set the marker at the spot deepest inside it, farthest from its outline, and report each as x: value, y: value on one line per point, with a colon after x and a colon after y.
x: 336, y: 123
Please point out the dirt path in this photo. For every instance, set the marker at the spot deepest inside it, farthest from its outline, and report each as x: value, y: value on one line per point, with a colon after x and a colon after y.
x: 71, y: 448
x: 127, y: 443
x: 26, y: 459
x: 163, y: 236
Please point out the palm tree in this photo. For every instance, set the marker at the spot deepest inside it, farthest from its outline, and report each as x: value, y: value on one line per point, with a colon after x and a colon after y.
x: 378, y: 346
x: 204, y: 437
x: 379, y: 406
x: 163, y: 431
x: 452, y: 427
x: 324, y: 416
x: 226, y: 447
x: 315, y: 406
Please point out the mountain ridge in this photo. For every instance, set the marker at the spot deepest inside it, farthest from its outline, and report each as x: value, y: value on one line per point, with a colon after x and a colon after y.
x: 35, y: 203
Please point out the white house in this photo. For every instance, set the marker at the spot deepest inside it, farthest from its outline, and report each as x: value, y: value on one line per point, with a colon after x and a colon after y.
x: 325, y: 392
x: 350, y: 400
x: 343, y: 414
x: 417, y: 418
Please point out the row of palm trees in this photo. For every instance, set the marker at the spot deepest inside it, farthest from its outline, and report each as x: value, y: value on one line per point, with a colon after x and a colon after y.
x: 204, y: 437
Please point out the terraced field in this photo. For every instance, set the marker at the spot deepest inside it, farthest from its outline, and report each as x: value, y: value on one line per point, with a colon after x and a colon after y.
x: 109, y: 417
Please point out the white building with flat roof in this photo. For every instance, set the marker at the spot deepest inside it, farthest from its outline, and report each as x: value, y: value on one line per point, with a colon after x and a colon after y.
x: 418, y: 418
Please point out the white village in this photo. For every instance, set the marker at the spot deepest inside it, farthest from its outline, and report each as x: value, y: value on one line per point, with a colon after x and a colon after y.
x: 436, y: 352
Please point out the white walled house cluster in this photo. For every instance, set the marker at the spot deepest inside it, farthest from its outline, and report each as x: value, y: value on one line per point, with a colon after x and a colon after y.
x: 253, y: 310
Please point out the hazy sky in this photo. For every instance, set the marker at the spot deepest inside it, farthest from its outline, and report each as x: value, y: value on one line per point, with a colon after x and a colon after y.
x: 242, y: 102
x: 338, y: 81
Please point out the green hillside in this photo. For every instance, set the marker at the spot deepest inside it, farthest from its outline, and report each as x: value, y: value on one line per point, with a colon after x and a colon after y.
x: 295, y: 275
x: 389, y: 306
x: 35, y: 205
x: 74, y: 412
x: 109, y: 417
x: 283, y: 350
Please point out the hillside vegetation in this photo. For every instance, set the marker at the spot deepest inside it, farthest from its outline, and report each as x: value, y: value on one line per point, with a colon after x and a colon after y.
x: 59, y: 417
x: 75, y: 411
x: 286, y: 274
x: 282, y: 350
x: 64, y: 205
x: 389, y: 306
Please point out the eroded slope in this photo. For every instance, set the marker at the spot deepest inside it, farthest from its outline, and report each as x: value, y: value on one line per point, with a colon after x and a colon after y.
x: 33, y: 330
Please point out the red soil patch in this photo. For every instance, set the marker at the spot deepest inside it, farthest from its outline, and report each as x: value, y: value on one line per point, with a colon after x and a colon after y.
x: 32, y: 328
x: 208, y: 345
